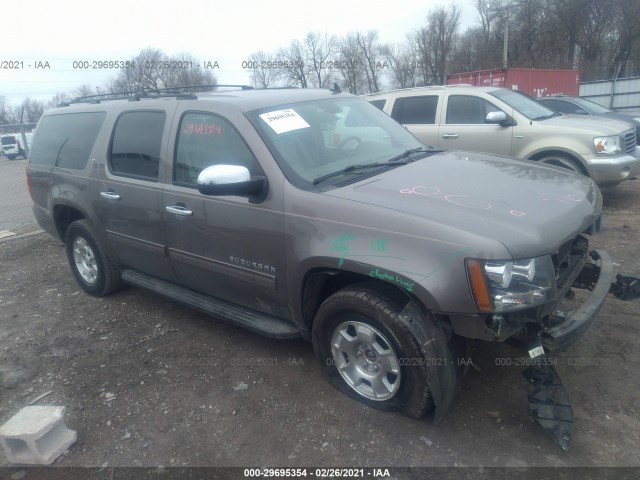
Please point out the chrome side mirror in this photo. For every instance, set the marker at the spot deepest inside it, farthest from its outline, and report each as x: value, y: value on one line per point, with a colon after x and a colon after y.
x: 219, y: 180
x: 223, y: 175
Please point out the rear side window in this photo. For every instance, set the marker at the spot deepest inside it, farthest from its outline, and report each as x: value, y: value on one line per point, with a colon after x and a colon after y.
x: 206, y: 140
x: 66, y: 140
x: 415, y: 110
x: 135, y: 148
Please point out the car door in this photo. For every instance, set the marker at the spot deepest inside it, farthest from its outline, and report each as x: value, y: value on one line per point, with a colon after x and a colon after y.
x: 223, y: 246
x: 419, y: 115
x: 464, y: 126
x: 129, y: 193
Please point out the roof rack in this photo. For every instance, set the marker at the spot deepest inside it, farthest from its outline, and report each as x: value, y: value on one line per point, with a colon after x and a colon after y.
x: 217, y: 85
x: 182, y: 92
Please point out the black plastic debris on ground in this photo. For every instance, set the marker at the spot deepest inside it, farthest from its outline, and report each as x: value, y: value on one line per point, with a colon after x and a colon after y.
x: 549, y: 404
x: 626, y: 287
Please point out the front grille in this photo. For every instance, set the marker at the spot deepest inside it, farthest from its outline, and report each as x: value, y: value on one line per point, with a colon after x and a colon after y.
x: 569, y: 261
x: 629, y: 142
x: 569, y: 257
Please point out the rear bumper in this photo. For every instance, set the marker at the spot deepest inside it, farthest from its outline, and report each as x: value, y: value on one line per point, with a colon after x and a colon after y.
x: 562, y: 335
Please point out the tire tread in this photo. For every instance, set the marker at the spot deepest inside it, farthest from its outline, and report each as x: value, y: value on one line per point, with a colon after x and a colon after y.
x: 388, y: 303
x: 111, y: 279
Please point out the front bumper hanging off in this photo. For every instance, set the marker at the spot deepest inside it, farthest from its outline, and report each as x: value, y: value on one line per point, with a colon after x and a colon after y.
x: 549, y: 403
x: 596, y: 275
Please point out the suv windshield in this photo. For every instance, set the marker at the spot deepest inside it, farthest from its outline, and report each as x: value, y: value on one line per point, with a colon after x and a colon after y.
x: 10, y: 140
x: 524, y: 104
x: 590, y: 106
x: 311, y: 140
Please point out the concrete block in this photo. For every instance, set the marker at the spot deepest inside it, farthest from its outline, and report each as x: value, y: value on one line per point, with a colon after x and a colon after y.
x: 36, y: 435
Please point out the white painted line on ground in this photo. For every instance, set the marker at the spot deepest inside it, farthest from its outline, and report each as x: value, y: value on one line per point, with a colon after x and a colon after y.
x: 13, y: 236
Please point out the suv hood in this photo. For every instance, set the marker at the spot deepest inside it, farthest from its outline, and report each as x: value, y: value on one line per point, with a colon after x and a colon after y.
x: 624, y: 116
x: 597, y: 125
x: 530, y: 208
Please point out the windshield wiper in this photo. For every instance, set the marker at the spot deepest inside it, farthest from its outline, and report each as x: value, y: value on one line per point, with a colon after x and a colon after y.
x: 407, y: 153
x: 402, y: 159
x: 546, y: 117
x: 356, y: 168
x: 59, y: 151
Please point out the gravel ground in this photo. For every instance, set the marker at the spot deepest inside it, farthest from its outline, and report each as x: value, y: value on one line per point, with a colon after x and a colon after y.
x: 147, y: 382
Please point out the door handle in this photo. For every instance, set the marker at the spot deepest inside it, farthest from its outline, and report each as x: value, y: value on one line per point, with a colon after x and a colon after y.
x: 178, y: 210
x: 109, y: 195
x: 450, y: 135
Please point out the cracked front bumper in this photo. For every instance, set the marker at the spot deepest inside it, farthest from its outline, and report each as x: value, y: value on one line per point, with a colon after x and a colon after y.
x: 562, y: 335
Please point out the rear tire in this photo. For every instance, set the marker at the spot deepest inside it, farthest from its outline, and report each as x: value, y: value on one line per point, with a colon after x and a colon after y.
x: 368, y: 353
x: 89, y: 262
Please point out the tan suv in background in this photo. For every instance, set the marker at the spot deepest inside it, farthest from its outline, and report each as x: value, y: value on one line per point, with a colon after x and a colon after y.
x: 507, y: 122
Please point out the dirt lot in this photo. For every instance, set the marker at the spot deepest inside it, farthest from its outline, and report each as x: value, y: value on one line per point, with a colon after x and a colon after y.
x: 147, y: 382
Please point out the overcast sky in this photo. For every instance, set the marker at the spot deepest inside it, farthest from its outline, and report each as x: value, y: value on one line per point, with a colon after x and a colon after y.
x: 63, y: 31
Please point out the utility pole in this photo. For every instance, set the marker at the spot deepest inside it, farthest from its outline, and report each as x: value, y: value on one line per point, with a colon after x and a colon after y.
x: 505, y: 47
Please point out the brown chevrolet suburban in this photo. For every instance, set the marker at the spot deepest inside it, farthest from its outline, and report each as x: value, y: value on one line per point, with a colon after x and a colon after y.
x: 310, y: 213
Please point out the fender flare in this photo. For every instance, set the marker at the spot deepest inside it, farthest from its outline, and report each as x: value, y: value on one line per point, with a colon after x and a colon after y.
x: 442, y: 378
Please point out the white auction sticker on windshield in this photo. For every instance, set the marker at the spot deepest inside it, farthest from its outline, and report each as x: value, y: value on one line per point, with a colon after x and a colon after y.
x: 282, y: 121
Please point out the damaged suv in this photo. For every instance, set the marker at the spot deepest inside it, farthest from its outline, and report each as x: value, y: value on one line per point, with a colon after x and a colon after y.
x: 310, y: 213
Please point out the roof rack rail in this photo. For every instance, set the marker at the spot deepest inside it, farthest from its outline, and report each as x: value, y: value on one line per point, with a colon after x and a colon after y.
x: 131, y: 96
x: 182, y: 91
x: 218, y: 85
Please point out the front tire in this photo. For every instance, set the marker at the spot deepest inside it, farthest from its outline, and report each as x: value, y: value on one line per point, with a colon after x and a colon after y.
x: 368, y: 353
x: 89, y: 262
x: 563, y: 161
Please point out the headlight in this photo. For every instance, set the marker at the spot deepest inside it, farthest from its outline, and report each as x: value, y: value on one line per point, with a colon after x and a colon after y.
x: 608, y: 145
x: 505, y: 285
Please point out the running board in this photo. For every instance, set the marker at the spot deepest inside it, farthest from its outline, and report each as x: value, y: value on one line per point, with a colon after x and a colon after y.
x: 253, y: 320
x: 549, y: 404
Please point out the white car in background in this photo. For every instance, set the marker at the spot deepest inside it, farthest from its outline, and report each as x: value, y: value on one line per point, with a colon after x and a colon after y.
x: 11, y: 147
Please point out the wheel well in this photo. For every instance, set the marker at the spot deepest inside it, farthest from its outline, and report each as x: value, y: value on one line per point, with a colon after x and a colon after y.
x: 63, y: 216
x: 560, y: 153
x: 321, y: 284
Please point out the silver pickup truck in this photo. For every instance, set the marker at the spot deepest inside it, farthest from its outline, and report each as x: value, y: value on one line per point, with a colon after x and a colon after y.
x: 310, y: 213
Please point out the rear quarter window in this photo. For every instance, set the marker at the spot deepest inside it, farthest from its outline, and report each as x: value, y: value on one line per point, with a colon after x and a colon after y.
x: 379, y: 104
x: 66, y: 140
